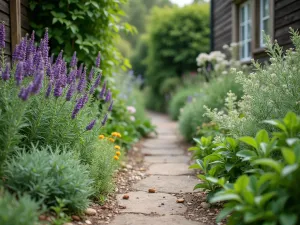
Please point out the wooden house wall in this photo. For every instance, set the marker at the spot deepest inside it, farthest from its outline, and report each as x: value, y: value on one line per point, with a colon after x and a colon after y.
x: 222, y: 23
x: 5, y: 16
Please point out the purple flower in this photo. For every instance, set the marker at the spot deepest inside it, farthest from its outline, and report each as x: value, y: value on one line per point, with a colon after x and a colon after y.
x: 6, y: 73
x: 37, y: 82
x: 96, y: 84
x: 59, y: 57
x: 17, y: 53
x: 91, y: 125
x: 82, y: 82
x: 79, y: 105
x: 108, y: 96
x: 24, y: 93
x: 28, y: 66
x: 98, y: 60
x: 49, y: 89
x: 73, y: 60
x: 71, y: 76
x: 45, y: 47
x: 19, y: 72
x: 104, y: 119
x: 2, y: 35
x: 91, y: 75
x: 110, y: 106
x: 57, y: 89
x: 103, y: 90
x: 51, y: 59
x: 79, y: 71
x: 70, y: 91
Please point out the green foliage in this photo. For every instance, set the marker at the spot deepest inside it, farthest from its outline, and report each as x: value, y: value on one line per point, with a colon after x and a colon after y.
x: 21, y: 210
x: 48, y: 175
x: 176, y: 35
x: 180, y: 99
x: 212, y: 95
x: 85, y: 27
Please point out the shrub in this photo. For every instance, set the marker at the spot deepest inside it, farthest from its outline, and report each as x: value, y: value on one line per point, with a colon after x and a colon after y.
x: 180, y: 99
x: 48, y: 175
x: 21, y: 210
x: 212, y: 95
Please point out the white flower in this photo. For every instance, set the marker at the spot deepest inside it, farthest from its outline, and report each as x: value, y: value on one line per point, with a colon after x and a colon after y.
x: 131, y: 109
x: 132, y: 118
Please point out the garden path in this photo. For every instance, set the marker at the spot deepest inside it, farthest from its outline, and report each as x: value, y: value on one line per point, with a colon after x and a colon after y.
x: 168, y: 173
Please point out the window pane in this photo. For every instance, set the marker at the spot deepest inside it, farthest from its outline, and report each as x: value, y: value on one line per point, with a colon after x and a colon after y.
x: 242, y: 14
x: 249, y: 11
x: 249, y: 31
x: 266, y: 26
x: 243, y: 33
x: 266, y: 11
x: 249, y: 50
x: 242, y: 50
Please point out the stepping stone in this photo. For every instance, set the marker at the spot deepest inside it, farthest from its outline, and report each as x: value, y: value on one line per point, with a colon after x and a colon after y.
x: 170, y: 169
x: 168, y: 152
x: 167, y: 159
x: 149, y: 203
x: 159, y: 145
x: 168, y: 184
x: 138, y: 219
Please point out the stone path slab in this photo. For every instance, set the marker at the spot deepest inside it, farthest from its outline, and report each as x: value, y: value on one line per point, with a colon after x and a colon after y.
x: 162, y: 152
x: 168, y: 184
x: 169, y: 169
x: 167, y: 159
x: 159, y: 145
x: 137, y: 219
x: 149, y: 203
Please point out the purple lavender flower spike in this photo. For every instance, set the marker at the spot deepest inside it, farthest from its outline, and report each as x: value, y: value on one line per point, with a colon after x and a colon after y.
x: 71, y: 76
x: 85, y: 99
x: 37, y: 82
x: 24, y: 93
x: 70, y: 92
x: 82, y: 82
x: 51, y: 59
x: 59, y: 57
x: 23, y: 48
x: 91, y: 75
x: 19, y: 73
x: 79, y: 105
x: 98, y: 60
x: 110, y: 106
x: 79, y: 71
x: 96, y: 84
x: 57, y: 89
x: 104, y: 119
x: 103, y: 90
x: 6, y: 73
x: 91, y: 125
x: 49, y: 89
x: 73, y: 60
x: 16, y: 53
x: 2, y: 35
x: 107, y: 97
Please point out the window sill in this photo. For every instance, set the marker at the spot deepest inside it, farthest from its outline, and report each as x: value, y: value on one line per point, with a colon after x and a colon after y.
x: 259, y: 50
x: 245, y: 61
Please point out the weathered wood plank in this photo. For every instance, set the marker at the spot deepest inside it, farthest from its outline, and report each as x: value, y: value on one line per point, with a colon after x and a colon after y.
x: 222, y: 14
x: 25, y: 22
x: 25, y: 3
x: 4, y: 7
x: 220, y: 28
x: 15, y: 15
x: 282, y: 3
x: 4, y: 17
x: 287, y: 20
x: 281, y: 12
x: 24, y: 10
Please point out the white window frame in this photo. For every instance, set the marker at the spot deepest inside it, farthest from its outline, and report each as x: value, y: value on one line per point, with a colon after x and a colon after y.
x: 261, y: 21
x: 244, y: 22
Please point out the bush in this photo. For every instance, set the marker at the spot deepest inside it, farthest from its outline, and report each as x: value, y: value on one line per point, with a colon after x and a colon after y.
x: 48, y: 175
x: 212, y: 95
x: 17, y: 211
x: 180, y: 99
x: 171, y: 54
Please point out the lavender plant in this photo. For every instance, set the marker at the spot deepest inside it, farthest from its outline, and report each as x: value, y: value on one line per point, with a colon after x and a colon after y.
x: 45, y: 101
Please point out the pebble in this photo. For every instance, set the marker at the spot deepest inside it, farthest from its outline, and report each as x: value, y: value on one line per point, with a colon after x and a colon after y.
x: 151, y: 190
x: 90, y: 212
x: 129, y: 167
x: 122, y: 207
x: 68, y: 224
x: 88, y: 222
x: 211, y: 214
x: 180, y: 200
x: 76, y: 218
x: 126, y: 197
x: 205, y: 205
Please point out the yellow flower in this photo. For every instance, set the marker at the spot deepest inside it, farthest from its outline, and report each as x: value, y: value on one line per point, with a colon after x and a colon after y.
x: 117, y: 147
x: 111, y: 140
x: 101, y: 136
x: 118, y: 153
x: 116, y: 134
x: 116, y: 157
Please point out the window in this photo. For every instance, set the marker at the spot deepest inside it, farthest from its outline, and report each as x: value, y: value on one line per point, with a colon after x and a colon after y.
x: 245, y: 30
x: 264, y: 20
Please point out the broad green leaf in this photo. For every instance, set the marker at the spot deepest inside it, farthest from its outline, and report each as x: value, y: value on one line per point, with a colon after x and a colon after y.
x: 249, y: 141
x: 241, y: 183
x: 212, y: 179
x: 246, y: 154
x: 289, y: 169
x: 290, y: 119
x: 229, y: 166
x: 263, y: 199
x: 288, y: 155
x: 291, y: 141
x: 288, y: 219
x: 195, y: 166
x: 225, y: 212
x: 262, y: 136
x: 225, y: 197
x: 276, y: 123
x: 270, y: 163
x: 201, y: 186
x: 193, y: 149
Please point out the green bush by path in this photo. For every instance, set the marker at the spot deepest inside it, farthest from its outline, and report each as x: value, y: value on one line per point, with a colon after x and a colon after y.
x: 17, y: 210
x: 211, y: 95
x: 49, y: 174
x: 181, y: 98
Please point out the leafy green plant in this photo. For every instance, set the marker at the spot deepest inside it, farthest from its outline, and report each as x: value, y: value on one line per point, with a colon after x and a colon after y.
x: 48, y: 175
x: 21, y: 210
x: 59, y: 210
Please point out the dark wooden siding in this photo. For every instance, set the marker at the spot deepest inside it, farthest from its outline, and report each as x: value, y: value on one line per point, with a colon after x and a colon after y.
x: 5, y: 17
x: 222, y: 23
x: 287, y: 14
